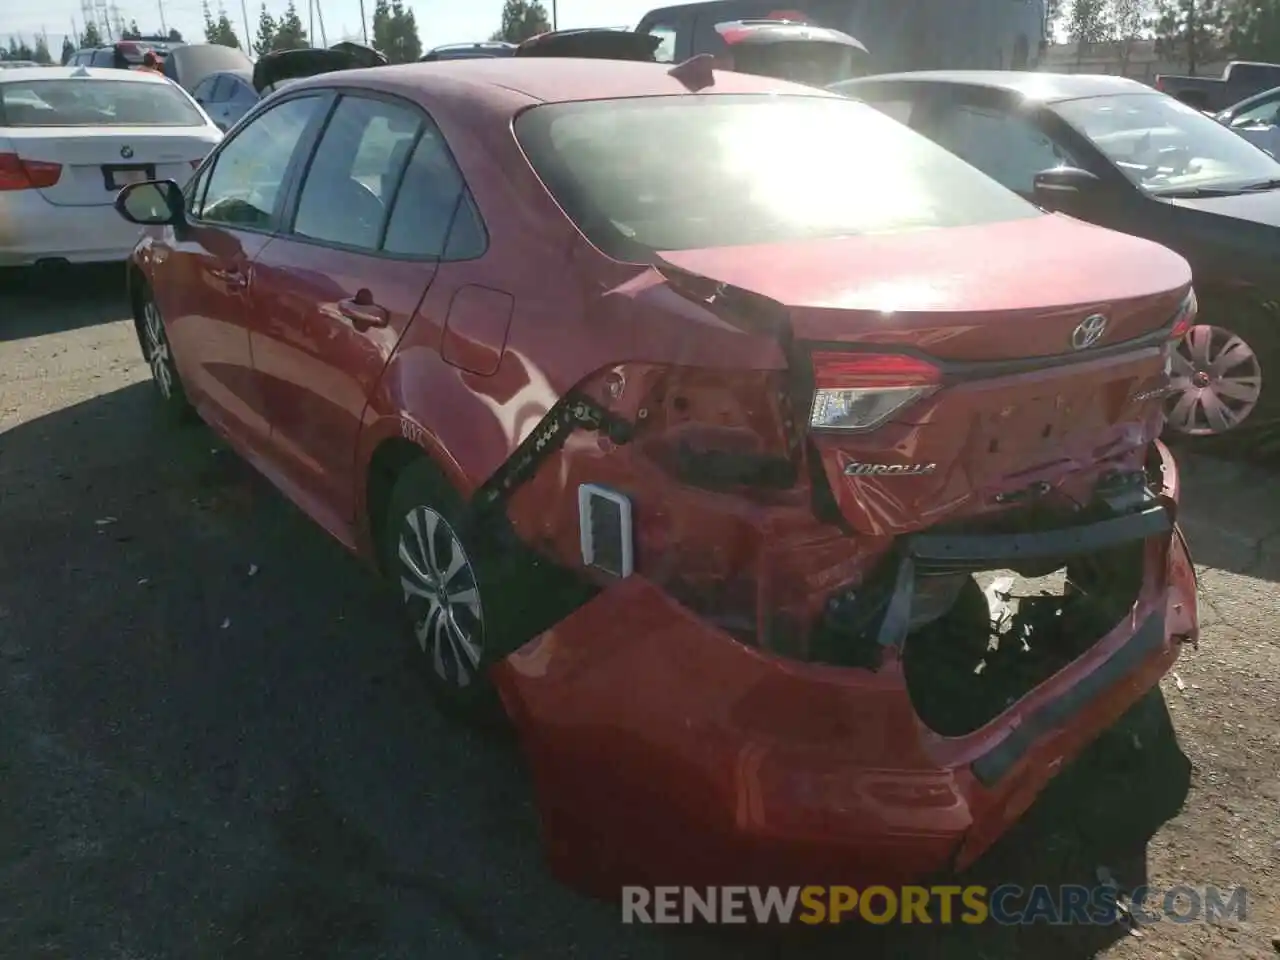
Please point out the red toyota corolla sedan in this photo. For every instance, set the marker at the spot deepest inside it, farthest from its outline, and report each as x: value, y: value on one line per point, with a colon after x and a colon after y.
x: 689, y: 414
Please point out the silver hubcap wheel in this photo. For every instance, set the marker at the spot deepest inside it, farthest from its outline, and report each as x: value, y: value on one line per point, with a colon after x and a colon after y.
x: 1216, y: 382
x: 157, y: 349
x: 442, y: 594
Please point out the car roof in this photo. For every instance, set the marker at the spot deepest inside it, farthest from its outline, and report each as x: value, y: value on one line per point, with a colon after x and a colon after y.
x: 516, y: 81
x: 20, y: 74
x: 1044, y: 87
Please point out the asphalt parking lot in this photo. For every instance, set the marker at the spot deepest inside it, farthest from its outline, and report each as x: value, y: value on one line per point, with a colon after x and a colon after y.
x: 211, y: 745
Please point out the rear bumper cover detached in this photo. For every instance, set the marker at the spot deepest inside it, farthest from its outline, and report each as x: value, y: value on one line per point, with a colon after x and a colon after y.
x: 665, y: 752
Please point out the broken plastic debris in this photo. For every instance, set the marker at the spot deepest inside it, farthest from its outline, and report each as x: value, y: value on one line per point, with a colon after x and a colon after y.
x: 999, y: 603
x: 143, y: 582
x: 1105, y: 878
x: 105, y: 521
x: 982, y: 665
x: 226, y: 623
x: 1178, y: 680
x: 253, y: 569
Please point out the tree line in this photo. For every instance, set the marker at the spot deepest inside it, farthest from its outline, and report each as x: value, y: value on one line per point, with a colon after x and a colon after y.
x: 394, y: 34
x: 1193, y: 31
x: 395, y: 31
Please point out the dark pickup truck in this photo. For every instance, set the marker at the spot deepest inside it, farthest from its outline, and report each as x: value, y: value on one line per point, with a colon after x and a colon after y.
x: 1241, y: 79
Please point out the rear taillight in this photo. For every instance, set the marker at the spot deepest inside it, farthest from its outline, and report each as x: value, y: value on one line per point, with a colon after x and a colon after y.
x: 862, y: 391
x: 19, y: 174
x: 1184, y: 317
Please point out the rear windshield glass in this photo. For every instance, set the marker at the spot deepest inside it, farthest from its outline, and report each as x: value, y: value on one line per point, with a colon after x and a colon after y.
x: 98, y: 103
x: 684, y: 172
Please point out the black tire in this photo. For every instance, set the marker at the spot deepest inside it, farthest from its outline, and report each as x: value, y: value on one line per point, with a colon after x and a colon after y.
x: 1220, y: 318
x: 516, y: 594
x: 153, y: 339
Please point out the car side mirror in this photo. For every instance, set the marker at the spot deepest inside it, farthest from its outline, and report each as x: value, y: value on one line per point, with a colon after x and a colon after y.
x: 1061, y: 186
x: 152, y: 203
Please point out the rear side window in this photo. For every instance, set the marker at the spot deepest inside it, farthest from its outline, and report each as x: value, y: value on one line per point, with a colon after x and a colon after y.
x: 96, y: 103
x: 667, y: 33
x: 675, y: 173
x: 434, y: 215
x: 356, y: 168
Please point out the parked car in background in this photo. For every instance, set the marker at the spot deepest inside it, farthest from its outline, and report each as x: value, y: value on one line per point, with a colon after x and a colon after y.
x: 1257, y: 119
x: 1117, y: 153
x: 896, y: 34
x: 728, y: 384
x: 70, y: 138
x: 190, y: 63
x: 123, y: 54
x: 226, y: 96
x: 1240, y: 79
x: 484, y: 49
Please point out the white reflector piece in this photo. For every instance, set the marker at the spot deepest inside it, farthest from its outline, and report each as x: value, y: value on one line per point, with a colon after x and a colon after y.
x: 604, y: 528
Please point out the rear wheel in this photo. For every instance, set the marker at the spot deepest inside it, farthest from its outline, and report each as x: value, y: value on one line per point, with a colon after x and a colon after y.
x: 470, y: 592
x: 1225, y: 376
x: 158, y: 353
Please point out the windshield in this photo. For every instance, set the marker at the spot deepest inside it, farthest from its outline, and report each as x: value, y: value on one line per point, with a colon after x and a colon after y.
x: 684, y: 172
x: 95, y: 103
x: 1165, y: 146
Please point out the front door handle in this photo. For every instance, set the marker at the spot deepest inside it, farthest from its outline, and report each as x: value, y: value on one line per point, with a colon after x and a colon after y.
x: 362, y: 311
x: 232, y: 278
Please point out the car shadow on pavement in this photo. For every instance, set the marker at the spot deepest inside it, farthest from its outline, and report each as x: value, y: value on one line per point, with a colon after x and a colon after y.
x: 1231, y: 515
x: 39, y: 302
x: 215, y: 745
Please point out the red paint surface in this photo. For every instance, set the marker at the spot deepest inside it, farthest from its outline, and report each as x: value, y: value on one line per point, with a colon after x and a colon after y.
x: 661, y: 746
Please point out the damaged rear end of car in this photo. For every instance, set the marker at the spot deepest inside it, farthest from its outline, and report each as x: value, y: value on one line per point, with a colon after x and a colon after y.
x: 881, y: 527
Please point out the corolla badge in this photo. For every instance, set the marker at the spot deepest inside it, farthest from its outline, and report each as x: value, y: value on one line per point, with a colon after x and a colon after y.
x: 856, y: 469
x: 126, y: 151
x: 1088, y: 332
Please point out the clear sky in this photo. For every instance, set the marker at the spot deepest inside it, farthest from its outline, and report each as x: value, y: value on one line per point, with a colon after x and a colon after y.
x: 439, y: 21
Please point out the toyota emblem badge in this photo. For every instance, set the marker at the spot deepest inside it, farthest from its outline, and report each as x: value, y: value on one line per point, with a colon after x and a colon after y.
x: 1089, y: 332
x: 126, y: 152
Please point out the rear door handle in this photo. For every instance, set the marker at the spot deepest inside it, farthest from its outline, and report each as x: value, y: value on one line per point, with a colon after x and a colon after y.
x: 362, y: 311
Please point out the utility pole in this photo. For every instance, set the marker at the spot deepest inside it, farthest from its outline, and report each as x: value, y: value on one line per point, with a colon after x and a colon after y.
x: 364, y: 24
x: 248, y: 35
x: 311, y: 23
x: 324, y: 37
x: 164, y: 27
x: 553, y: 15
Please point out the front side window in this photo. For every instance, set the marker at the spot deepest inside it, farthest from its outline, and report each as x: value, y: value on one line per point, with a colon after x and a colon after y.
x: 96, y: 103
x: 1166, y: 147
x: 1006, y: 147
x: 676, y: 173
x: 249, y: 170
x: 355, y: 171
x: 1262, y: 114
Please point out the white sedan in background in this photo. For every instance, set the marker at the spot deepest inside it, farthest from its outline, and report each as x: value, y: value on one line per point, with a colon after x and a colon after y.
x: 70, y: 138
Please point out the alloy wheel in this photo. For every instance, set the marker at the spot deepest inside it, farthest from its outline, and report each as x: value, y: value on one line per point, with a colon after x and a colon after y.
x: 1216, y: 382
x: 443, y: 596
x: 156, y: 349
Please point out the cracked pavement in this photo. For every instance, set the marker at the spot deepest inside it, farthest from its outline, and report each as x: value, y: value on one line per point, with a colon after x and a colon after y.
x: 197, y: 761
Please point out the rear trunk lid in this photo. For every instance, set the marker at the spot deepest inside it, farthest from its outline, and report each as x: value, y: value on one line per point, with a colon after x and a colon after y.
x: 96, y: 163
x: 950, y: 370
